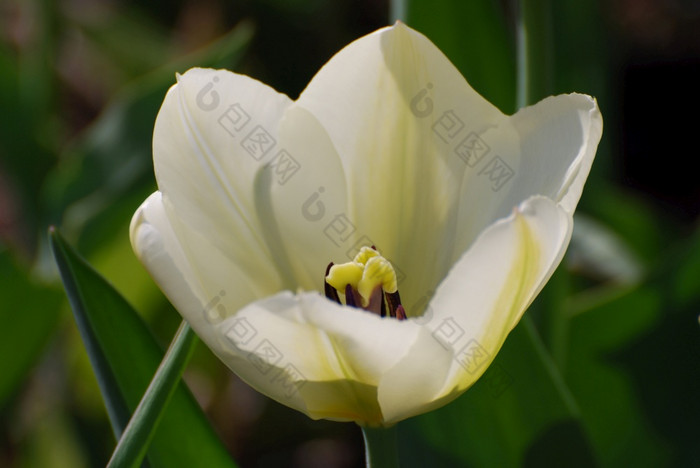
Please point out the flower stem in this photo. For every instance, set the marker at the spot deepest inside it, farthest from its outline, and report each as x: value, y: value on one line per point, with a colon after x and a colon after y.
x: 397, y: 10
x: 533, y: 50
x: 535, y: 65
x: 381, y: 449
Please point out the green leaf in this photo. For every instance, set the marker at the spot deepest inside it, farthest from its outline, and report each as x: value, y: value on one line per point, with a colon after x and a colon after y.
x: 517, y: 414
x: 137, y: 436
x: 29, y: 312
x: 125, y: 356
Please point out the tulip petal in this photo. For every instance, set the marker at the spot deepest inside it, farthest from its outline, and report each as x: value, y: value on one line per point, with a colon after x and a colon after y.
x: 202, y: 284
x: 305, y: 197
x: 316, y: 356
x: 557, y: 140
x: 486, y: 292
x: 389, y: 103
x: 213, y: 134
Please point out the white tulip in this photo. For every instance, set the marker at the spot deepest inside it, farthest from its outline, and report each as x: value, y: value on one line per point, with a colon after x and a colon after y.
x: 388, y: 146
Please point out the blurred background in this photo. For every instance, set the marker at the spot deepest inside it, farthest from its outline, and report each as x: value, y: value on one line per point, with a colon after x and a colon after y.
x: 606, y: 368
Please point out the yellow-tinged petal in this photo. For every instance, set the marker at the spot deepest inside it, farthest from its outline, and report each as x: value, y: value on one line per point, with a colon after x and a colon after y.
x: 329, y: 358
x: 207, y: 177
x: 386, y: 101
x: 486, y: 292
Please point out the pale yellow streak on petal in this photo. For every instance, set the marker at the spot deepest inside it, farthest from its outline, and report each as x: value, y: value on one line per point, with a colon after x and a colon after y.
x: 514, y: 297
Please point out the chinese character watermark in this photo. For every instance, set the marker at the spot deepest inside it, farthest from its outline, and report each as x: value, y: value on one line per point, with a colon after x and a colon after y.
x: 498, y: 173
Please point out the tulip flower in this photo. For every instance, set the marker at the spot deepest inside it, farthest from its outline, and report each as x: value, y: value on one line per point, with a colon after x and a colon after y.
x: 361, y: 253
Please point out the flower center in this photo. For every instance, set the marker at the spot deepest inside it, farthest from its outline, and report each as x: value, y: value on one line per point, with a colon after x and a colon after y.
x: 367, y: 282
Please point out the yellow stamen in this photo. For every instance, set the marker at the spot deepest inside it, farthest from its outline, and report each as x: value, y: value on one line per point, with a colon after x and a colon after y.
x: 378, y: 272
x: 365, y: 254
x: 341, y: 275
x: 368, y: 271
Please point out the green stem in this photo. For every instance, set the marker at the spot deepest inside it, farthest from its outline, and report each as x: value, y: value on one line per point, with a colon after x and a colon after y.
x: 397, y: 10
x: 381, y: 449
x: 533, y: 33
x: 534, y: 49
x: 551, y: 368
x: 136, y: 438
x: 521, y: 62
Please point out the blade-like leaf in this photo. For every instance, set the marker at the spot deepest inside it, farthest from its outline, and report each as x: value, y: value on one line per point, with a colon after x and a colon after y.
x: 139, y: 432
x: 125, y: 356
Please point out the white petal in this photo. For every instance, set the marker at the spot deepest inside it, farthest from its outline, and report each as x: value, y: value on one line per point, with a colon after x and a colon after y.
x: 305, y: 195
x: 213, y: 134
x: 383, y: 101
x: 193, y: 274
x: 270, y: 207
x: 157, y: 247
x: 316, y: 356
x: 558, y: 140
x: 410, y: 387
x: 489, y: 288
x: 551, y: 156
